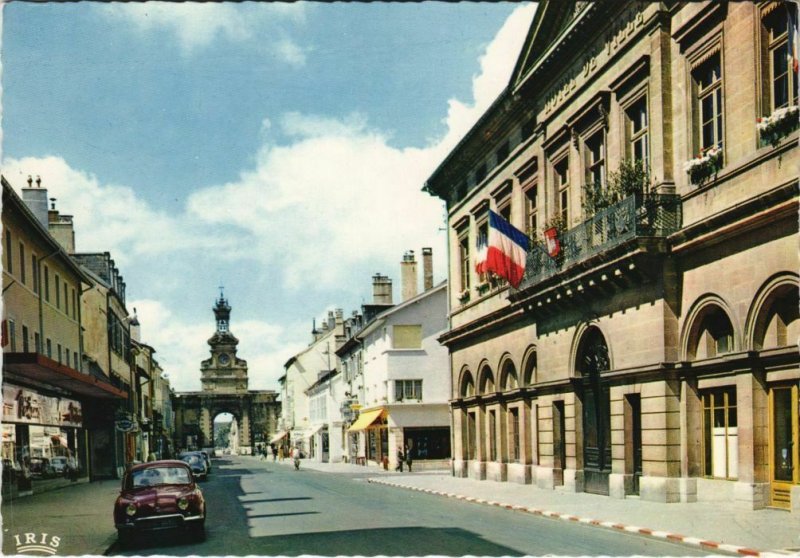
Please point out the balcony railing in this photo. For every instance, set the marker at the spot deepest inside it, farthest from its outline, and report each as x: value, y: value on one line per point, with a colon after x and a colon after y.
x: 640, y: 215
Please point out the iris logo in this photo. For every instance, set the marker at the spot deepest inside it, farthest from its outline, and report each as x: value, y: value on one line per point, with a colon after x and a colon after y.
x: 33, y: 543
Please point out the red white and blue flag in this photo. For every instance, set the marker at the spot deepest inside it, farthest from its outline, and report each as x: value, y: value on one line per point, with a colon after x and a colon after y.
x: 507, y: 250
x: 793, y: 38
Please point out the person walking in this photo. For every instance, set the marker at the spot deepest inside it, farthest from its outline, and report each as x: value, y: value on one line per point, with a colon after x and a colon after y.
x: 274, y: 453
x: 409, y: 457
x: 400, y: 459
x: 296, y: 457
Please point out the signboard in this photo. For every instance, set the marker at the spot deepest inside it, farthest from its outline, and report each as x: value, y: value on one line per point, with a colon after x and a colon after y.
x: 125, y: 425
x: 26, y: 406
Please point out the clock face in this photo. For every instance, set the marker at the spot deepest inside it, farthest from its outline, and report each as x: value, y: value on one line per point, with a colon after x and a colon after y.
x: 224, y: 359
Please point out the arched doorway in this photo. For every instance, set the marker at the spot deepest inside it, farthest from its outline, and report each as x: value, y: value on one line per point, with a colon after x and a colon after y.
x: 594, y: 392
x: 226, y: 426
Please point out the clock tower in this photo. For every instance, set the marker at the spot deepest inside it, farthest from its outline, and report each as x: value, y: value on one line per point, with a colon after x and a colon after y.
x: 223, y: 372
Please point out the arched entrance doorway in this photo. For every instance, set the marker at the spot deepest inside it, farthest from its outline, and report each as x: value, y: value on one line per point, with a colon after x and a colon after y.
x: 594, y: 392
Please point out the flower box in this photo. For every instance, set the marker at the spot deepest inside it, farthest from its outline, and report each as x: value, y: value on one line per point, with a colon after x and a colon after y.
x: 705, y: 165
x: 483, y: 288
x: 778, y: 125
x: 463, y: 296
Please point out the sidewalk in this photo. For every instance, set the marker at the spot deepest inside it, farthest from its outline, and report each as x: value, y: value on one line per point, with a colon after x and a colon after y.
x: 711, y: 525
x: 80, y: 515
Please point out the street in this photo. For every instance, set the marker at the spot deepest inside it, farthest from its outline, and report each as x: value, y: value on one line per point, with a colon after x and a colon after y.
x: 266, y: 508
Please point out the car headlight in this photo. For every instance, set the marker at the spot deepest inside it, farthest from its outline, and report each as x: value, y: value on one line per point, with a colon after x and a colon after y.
x: 183, y: 504
x: 131, y: 509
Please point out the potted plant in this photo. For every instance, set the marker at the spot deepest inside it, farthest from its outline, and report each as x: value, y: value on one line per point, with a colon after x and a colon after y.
x: 463, y: 296
x: 483, y: 287
x: 705, y: 165
x: 778, y: 125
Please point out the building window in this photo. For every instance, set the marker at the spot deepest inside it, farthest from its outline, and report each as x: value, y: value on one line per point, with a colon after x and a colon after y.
x: 12, y: 336
x: 720, y: 436
x: 66, y: 299
x: 46, y: 284
x: 407, y: 337
x: 513, y: 433
x: 782, y: 72
x: 35, y: 273
x: 75, y: 361
x: 463, y: 256
x: 58, y: 348
x: 531, y: 211
x: 595, y: 156
x: 37, y: 342
x: 561, y: 175
x: 9, y: 257
x: 58, y: 291
x: 471, y: 436
x: 492, y: 435
x: 637, y: 131
x: 480, y: 173
x: 502, y: 152
x: 66, y: 356
x: 482, y: 247
x: 49, y: 349
x: 708, y: 108
x: 408, y: 389
x: 22, y: 277
x: 25, y: 333
x: 74, y: 303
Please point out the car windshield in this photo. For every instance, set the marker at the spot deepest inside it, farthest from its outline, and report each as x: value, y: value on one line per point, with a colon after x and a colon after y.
x: 191, y: 458
x: 152, y: 476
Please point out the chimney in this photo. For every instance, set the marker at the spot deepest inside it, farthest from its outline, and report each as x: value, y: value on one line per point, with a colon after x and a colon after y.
x: 408, y: 275
x: 314, y: 331
x: 61, y: 227
x: 36, y: 200
x: 339, y: 316
x: 331, y: 320
x: 381, y: 289
x: 427, y: 269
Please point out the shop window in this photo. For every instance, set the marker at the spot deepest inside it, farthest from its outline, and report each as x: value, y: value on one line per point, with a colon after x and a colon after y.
x: 9, y: 257
x: 492, y: 435
x: 720, y: 434
x: 407, y: 337
x: 22, y: 264
x: 637, y: 130
x: 428, y: 443
x: 408, y: 389
x: 708, y: 109
x: 513, y: 433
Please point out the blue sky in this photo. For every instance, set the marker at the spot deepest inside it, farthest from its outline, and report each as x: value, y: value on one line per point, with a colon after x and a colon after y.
x: 277, y: 149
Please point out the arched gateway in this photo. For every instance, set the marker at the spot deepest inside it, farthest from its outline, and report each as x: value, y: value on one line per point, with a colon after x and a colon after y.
x: 224, y: 390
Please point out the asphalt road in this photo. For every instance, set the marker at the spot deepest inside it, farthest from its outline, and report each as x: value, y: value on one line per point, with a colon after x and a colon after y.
x: 264, y: 508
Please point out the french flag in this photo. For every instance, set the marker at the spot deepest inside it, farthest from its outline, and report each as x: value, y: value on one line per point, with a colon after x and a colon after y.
x: 507, y: 251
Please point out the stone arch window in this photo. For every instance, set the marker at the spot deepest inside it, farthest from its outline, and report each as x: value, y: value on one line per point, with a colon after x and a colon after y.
x: 486, y: 380
x: 508, y: 376
x: 778, y: 320
x: 467, y: 386
x: 529, y: 375
x: 712, y: 335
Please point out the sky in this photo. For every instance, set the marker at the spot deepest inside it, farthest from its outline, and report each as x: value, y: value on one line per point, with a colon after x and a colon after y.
x: 278, y: 150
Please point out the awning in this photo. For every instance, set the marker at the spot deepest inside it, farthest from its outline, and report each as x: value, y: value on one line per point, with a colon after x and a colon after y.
x: 278, y: 437
x: 365, y: 420
x: 33, y: 366
x: 313, y: 430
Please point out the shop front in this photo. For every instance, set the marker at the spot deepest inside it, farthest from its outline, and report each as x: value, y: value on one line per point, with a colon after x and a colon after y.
x: 372, y: 428
x: 44, y: 441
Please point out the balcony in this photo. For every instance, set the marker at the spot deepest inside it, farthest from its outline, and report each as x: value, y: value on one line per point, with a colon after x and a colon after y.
x: 609, y: 233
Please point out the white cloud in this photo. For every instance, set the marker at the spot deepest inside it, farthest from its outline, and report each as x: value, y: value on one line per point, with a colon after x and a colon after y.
x: 335, y: 196
x: 196, y: 25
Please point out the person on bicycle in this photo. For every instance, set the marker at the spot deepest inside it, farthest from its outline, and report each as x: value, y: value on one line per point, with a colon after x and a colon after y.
x: 296, y: 457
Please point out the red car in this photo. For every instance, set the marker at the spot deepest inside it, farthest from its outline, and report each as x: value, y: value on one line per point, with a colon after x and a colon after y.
x: 156, y: 496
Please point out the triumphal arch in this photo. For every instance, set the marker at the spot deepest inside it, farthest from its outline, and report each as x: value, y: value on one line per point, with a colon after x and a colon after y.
x: 224, y: 390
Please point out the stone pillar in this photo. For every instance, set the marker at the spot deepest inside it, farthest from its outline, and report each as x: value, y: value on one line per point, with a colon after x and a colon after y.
x: 691, y: 417
x: 244, y: 433
x: 458, y: 418
x: 206, y: 426
x: 751, y: 491
x: 661, y: 442
x: 478, y: 465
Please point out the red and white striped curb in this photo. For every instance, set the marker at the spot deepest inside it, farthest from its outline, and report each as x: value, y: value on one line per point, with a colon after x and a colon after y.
x: 693, y: 541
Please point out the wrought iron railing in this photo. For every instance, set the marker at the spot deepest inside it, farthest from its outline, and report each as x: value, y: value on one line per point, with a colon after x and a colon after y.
x: 640, y: 215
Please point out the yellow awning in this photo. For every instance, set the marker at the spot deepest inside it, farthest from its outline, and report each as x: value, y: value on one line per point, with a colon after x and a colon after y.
x: 365, y: 420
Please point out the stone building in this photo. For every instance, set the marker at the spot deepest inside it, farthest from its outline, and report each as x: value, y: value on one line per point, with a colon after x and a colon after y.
x: 649, y: 151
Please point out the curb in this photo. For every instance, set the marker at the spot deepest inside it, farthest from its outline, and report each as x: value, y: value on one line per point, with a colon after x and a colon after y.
x: 691, y: 541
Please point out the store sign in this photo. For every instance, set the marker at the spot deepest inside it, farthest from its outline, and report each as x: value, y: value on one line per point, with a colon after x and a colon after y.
x: 26, y: 406
x: 125, y: 425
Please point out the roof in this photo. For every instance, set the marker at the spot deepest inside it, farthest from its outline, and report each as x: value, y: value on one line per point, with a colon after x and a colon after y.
x: 381, y: 318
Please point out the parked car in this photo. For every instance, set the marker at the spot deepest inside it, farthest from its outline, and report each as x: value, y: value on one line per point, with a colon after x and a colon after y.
x: 41, y: 468
x: 159, y: 496
x: 60, y: 465
x: 197, y: 463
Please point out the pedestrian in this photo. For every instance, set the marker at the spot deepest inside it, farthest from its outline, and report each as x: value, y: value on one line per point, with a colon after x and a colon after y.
x: 274, y: 452
x: 280, y: 452
x: 408, y: 456
x: 400, y: 459
x: 264, y: 452
x: 295, y: 453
